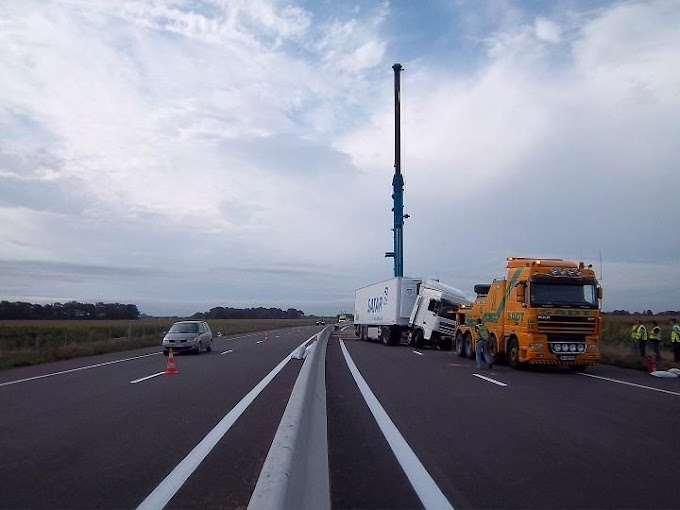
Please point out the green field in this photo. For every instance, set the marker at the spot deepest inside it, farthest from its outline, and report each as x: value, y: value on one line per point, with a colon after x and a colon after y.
x: 32, y: 342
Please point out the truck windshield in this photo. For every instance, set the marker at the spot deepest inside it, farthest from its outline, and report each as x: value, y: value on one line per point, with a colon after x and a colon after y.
x: 582, y: 295
x: 448, y: 309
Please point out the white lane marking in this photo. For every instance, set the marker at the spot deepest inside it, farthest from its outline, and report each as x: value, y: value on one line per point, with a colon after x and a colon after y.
x: 227, y: 352
x: 162, y: 494
x: 490, y: 380
x: 427, y: 490
x: 77, y: 369
x: 147, y: 377
x: 630, y: 384
x: 259, y: 341
x: 416, y: 352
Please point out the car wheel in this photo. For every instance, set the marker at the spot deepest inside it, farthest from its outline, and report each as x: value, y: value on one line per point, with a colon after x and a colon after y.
x: 209, y: 348
x: 198, y: 348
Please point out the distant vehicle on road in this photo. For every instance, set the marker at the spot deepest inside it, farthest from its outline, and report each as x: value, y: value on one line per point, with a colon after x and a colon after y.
x: 342, y: 319
x: 320, y: 322
x: 193, y: 336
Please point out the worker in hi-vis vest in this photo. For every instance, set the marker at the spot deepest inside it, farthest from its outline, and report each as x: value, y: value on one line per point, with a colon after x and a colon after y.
x: 655, y: 339
x: 675, y: 339
x: 634, y: 344
x: 641, y: 337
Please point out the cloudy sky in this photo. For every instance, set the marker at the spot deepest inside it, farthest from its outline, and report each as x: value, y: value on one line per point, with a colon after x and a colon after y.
x: 185, y: 154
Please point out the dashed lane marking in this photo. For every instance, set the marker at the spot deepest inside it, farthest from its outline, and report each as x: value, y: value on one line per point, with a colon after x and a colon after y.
x: 227, y: 352
x: 88, y: 367
x: 490, y: 380
x: 416, y: 352
x: 146, y: 378
x: 630, y: 384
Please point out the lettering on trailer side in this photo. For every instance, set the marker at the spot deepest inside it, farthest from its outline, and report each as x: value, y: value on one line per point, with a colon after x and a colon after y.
x: 376, y: 304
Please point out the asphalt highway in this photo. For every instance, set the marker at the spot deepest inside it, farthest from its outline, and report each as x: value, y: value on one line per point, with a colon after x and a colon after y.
x: 90, y: 438
x: 107, y: 431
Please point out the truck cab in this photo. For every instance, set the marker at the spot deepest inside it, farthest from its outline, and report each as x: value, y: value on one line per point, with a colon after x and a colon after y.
x: 433, y: 319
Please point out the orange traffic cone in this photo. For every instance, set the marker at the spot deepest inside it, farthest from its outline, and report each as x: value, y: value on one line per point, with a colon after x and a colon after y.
x: 171, y: 368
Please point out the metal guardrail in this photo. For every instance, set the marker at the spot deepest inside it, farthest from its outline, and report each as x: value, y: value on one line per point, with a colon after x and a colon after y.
x: 295, y: 473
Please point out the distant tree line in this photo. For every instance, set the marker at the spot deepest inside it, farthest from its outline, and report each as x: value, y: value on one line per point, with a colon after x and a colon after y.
x: 648, y: 312
x: 221, y: 312
x: 70, y: 310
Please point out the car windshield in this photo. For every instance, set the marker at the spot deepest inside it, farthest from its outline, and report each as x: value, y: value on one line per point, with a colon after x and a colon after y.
x: 184, y: 327
x: 582, y: 295
x: 448, y: 309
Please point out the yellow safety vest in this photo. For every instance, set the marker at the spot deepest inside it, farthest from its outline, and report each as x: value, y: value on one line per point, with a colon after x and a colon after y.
x: 641, y: 333
x: 633, y: 332
x: 655, y: 334
x: 675, y: 334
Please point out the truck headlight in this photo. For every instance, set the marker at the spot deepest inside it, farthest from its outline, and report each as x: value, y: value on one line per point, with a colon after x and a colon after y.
x: 537, y: 346
x: 593, y: 347
x: 557, y: 347
x: 572, y: 347
x: 581, y: 348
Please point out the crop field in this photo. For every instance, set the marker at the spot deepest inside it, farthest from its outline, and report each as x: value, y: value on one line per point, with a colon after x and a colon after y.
x: 38, y: 341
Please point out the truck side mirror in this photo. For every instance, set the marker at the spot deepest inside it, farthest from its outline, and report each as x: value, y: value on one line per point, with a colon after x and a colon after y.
x: 600, y: 293
x: 520, y: 290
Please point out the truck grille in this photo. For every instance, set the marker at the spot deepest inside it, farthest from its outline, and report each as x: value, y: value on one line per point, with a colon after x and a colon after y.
x: 566, y: 324
x: 446, y: 328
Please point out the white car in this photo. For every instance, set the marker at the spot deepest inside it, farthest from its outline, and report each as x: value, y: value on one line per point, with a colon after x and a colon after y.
x: 193, y: 336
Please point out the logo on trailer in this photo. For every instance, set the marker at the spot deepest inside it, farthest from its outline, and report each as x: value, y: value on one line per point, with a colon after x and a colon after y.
x: 375, y: 304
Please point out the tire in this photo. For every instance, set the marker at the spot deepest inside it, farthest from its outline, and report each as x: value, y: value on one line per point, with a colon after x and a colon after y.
x: 460, y: 344
x: 469, y: 349
x: 513, y: 354
x: 363, y: 333
x: 418, y: 338
x: 389, y: 336
x: 209, y: 348
x: 493, y: 349
x: 198, y: 348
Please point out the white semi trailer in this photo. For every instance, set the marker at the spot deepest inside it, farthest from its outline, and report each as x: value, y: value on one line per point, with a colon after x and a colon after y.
x: 419, y: 311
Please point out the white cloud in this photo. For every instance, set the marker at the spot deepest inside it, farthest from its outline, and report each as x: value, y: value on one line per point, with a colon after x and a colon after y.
x: 262, y: 133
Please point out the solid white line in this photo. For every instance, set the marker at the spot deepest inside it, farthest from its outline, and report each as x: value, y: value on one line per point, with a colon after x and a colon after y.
x: 416, y: 352
x: 490, y: 380
x: 630, y: 384
x: 145, y: 378
x: 427, y: 490
x: 76, y: 369
x: 227, y: 352
x: 162, y: 494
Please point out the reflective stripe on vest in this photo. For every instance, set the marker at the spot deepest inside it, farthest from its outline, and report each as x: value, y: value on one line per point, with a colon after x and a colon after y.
x: 655, y: 334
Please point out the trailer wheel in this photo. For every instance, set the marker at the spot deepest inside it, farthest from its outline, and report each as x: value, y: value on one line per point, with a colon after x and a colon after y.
x: 460, y: 344
x: 418, y: 338
x: 513, y: 353
x: 389, y: 336
x: 469, y: 350
x: 363, y: 333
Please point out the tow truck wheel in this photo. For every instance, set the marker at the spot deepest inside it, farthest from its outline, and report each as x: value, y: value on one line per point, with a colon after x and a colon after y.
x: 469, y: 350
x: 493, y: 349
x: 513, y: 353
x: 460, y: 345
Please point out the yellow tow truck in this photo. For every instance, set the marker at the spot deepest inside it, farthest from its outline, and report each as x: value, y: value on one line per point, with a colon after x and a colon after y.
x: 545, y: 311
